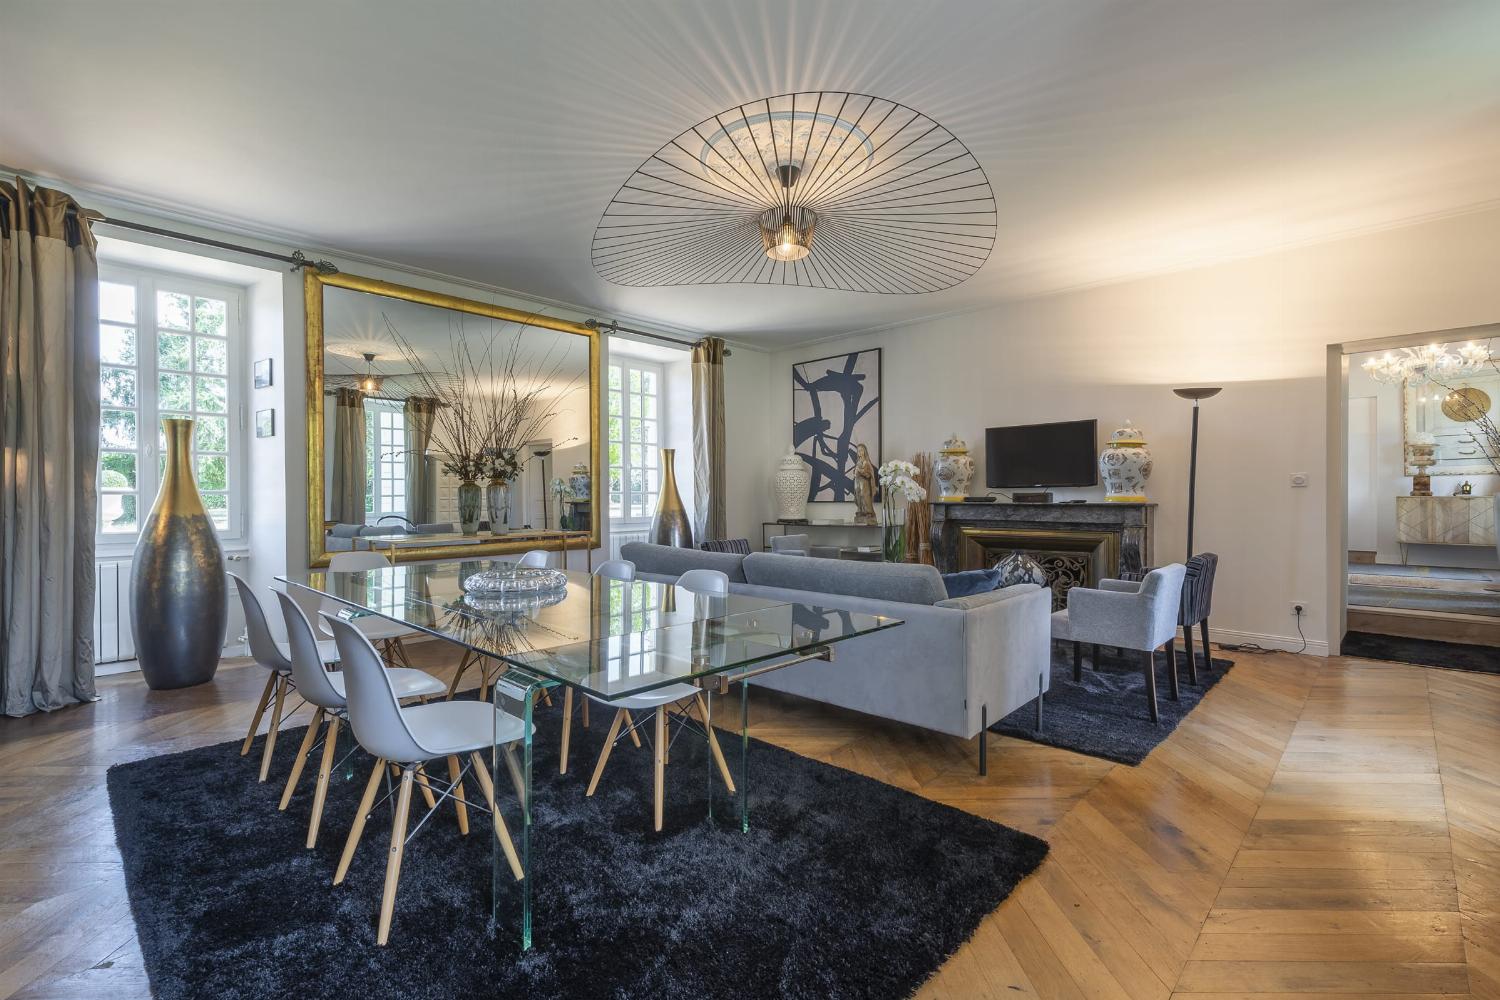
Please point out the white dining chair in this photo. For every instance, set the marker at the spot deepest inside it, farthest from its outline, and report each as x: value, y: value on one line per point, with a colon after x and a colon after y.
x: 382, y: 631
x: 405, y: 739
x: 682, y: 697
x: 616, y: 569
x: 324, y: 690
x: 536, y: 559
x: 622, y: 570
x: 275, y: 657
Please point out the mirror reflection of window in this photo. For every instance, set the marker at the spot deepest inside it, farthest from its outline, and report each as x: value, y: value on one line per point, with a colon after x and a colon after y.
x: 385, y: 459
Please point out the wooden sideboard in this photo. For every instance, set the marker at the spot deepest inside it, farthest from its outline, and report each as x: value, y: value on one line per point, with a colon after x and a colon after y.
x: 1454, y: 520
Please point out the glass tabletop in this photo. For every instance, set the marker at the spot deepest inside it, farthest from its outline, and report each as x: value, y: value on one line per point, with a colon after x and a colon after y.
x: 607, y: 637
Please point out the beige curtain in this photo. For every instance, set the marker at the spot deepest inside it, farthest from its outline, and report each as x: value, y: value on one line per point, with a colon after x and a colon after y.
x: 419, y: 411
x: 347, y: 504
x: 49, y: 426
x: 709, y: 484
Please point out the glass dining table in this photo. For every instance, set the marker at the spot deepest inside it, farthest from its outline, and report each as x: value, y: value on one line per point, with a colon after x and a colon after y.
x: 608, y: 640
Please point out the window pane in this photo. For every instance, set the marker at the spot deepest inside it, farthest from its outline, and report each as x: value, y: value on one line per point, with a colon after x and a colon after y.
x: 116, y: 302
x: 117, y: 428
x: 116, y: 344
x: 615, y: 478
x: 653, y: 481
x: 117, y: 512
x: 614, y: 455
x: 635, y: 455
x: 172, y: 351
x: 615, y: 433
x: 635, y: 380
x: 208, y: 316
x: 648, y: 407
x: 651, y: 457
x: 213, y: 355
x: 614, y: 376
x: 174, y: 392
x: 635, y: 430
x: 172, y: 310
x: 213, y: 472
x: 615, y: 403
x: 211, y: 434
x: 217, y: 505
x: 116, y: 470
x: 648, y: 382
x: 650, y: 432
x: 213, y: 394
x: 117, y: 387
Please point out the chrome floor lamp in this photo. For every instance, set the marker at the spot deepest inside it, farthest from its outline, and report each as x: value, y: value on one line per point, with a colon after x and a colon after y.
x: 1196, y: 395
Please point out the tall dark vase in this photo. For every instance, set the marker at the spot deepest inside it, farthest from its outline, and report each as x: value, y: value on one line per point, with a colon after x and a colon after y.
x: 177, y: 585
x: 670, y: 524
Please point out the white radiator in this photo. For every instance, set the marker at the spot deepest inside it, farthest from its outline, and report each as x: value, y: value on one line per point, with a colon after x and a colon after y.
x: 622, y: 536
x: 113, y: 639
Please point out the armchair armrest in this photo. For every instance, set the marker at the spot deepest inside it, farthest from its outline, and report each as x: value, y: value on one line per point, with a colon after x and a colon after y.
x: 1121, y: 586
x: 1109, y: 617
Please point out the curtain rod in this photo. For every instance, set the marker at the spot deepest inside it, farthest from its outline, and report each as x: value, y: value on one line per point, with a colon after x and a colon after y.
x: 612, y: 328
x: 296, y: 258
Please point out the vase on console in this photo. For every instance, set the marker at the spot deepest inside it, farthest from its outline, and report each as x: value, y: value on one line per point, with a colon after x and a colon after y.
x: 670, y: 525
x: 469, y: 497
x: 790, y: 483
x: 178, y: 607
x: 953, y: 470
x: 497, y: 500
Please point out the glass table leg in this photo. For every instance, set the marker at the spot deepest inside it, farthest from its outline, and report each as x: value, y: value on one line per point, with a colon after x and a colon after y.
x: 512, y: 849
x: 742, y: 780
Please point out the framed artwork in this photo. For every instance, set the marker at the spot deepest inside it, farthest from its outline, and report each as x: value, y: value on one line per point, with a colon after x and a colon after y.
x: 836, y: 407
x: 265, y: 423
x: 263, y: 373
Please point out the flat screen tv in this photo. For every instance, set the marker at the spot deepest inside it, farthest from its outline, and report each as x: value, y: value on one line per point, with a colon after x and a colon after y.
x: 1058, y: 454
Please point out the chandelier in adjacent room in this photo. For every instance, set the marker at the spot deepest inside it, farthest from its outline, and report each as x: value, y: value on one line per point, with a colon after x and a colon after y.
x: 1418, y: 365
x: 826, y: 190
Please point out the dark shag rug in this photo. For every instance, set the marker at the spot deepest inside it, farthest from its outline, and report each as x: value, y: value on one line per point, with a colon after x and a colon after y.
x: 1423, y: 652
x: 1107, y: 714
x: 844, y: 886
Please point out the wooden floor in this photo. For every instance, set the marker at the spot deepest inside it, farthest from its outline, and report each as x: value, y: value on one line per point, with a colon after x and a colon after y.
x: 1317, y: 828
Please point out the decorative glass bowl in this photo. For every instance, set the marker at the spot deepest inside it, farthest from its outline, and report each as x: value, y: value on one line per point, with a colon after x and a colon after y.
x: 508, y: 579
x: 518, y: 606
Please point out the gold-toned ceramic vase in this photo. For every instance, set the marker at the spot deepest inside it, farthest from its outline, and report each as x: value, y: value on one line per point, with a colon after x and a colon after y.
x: 178, y: 610
x: 670, y: 526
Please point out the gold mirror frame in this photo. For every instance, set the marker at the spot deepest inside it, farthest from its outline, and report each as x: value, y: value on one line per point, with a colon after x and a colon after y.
x: 312, y: 289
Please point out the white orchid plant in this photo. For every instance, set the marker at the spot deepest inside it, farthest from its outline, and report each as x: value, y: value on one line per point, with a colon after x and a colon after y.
x: 898, y: 487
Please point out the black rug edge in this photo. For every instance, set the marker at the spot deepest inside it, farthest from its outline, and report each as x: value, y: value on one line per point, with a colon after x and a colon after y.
x: 1030, y: 736
x: 1419, y: 652
x: 1032, y: 851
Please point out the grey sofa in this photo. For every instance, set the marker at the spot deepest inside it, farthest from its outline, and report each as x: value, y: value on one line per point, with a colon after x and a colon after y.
x: 954, y: 667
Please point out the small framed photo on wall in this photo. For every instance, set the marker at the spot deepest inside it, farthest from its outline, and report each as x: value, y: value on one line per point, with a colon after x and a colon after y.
x: 263, y: 378
x: 265, y: 423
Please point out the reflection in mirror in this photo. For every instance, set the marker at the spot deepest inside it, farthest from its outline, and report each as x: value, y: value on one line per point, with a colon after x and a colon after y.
x: 449, y: 427
x: 1456, y: 414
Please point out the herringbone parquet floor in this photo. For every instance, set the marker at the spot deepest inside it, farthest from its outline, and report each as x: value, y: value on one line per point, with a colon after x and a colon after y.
x: 1316, y: 829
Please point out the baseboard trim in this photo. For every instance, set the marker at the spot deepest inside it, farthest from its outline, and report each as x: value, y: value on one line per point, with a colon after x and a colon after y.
x: 1315, y: 647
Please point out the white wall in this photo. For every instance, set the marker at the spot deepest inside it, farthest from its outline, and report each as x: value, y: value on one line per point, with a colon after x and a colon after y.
x: 1257, y: 327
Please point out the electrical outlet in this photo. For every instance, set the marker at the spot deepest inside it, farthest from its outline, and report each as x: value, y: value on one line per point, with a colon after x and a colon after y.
x: 1299, y: 608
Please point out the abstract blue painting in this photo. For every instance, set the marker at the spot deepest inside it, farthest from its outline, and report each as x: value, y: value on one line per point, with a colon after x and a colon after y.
x: 835, y: 407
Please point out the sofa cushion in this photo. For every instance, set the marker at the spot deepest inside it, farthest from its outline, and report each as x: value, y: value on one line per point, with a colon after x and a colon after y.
x: 666, y: 560
x: 971, y: 581
x: 981, y: 600
x: 908, y: 583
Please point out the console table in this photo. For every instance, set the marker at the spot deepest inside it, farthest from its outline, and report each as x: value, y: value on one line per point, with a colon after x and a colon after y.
x: 1452, y: 520
x: 1078, y: 544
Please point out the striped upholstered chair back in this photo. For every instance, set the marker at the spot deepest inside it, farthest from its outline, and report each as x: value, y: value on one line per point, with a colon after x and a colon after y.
x: 738, y: 546
x: 1198, y: 588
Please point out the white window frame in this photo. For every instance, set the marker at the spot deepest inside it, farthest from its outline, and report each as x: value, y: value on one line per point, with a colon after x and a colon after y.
x: 651, y: 459
x: 147, y: 281
x: 374, y: 409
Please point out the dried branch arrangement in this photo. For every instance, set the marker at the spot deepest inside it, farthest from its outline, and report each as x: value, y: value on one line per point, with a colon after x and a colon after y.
x: 919, y: 515
x: 497, y: 396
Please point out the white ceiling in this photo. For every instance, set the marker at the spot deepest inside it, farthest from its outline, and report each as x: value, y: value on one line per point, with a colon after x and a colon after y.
x: 484, y: 140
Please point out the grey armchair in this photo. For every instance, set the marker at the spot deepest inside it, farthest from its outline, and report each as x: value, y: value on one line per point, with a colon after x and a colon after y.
x: 1128, y: 615
x: 789, y: 545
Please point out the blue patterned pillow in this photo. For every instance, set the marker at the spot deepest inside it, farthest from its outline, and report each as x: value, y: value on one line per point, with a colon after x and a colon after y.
x: 972, y: 581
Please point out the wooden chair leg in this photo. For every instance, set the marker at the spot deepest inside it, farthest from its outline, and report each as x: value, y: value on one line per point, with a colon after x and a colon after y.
x: 260, y: 711
x: 1175, y: 685
x: 463, y: 665
x: 458, y: 795
x: 1077, y: 661
x: 421, y: 779
x: 502, y: 832
x: 393, y: 859
x: 517, y: 779
x: 366, y: 802
x: 567, y: 730
x: 320, y: 795
x: 659, y: 752
x: 1208, y: 659
x: 401, y: 652
x: 1187, y: 644
x: 301, y: 761
x: 1148, y: 662
x: 635, y: 737
x: 713, y: 742
x: 609, y: 744
x: 270, y: 748
x: 585, y: 713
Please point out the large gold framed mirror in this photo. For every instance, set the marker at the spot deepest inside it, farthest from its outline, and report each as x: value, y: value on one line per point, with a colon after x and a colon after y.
x: 442, y: 427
